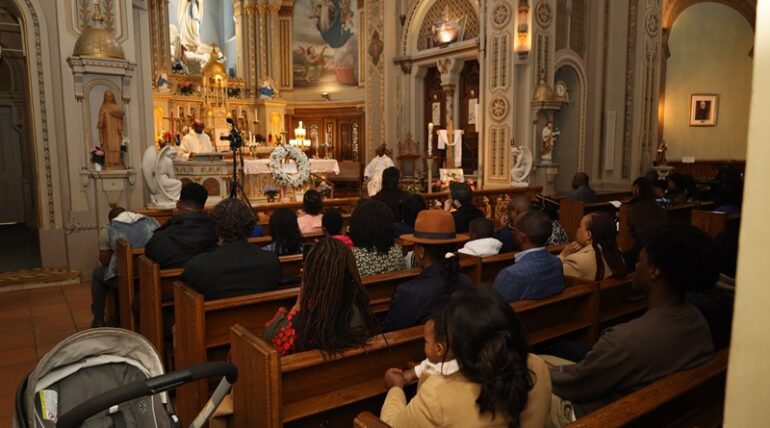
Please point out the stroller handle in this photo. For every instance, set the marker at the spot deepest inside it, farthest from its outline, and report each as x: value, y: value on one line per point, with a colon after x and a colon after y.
x: 144, y: 387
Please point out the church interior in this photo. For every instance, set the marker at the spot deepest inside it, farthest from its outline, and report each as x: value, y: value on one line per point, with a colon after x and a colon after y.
x: 125, y: 111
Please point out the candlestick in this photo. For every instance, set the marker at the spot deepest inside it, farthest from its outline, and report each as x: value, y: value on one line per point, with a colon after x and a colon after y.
x: 430, y: 138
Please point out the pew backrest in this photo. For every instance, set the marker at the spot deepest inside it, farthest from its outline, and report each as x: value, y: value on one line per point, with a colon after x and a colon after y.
x: 693, y: 397
x: 713, y: 222
x: 155, y: 297
x: 273, y: 390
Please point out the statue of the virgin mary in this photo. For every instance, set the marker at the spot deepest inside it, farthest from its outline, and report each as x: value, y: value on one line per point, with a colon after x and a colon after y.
x: 189, y: 15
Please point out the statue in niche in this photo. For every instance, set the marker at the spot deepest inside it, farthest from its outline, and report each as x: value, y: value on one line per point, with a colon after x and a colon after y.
x: 110, y: 127
x: 267, y: 90
x: 548, y: 135
x: 660, y: 157
x: 521, y: 165
x: 158, y: 171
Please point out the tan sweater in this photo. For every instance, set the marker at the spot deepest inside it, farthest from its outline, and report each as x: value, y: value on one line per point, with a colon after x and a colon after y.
x: 582, y: 264
x: 450, y: 401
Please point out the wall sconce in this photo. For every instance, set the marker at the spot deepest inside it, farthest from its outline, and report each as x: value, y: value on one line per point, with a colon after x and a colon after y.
x: 326, y: 96
x: 522, y: 30
x: 445, y: 30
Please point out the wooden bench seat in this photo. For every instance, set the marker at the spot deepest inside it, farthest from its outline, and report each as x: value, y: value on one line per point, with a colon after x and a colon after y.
x: 126, y: 260
x: 689, y: 398
x: 713, y: 222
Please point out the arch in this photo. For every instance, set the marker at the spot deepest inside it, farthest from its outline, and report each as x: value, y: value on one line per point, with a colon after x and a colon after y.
x: 673, y: 8
x: 570, y: 58
x: 414, y: 19
x: 37, y: 47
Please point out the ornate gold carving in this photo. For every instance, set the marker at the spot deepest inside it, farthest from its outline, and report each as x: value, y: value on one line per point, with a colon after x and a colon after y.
x: 84, y: 14
x: 458, y: 9
x: 376, y: 47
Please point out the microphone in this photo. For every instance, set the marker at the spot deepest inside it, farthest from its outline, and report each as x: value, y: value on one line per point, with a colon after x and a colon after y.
x: 230, y: 120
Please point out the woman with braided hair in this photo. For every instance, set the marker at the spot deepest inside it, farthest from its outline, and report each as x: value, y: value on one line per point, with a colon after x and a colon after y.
x: 595, y: 254
x: 481, y: 372
x: 332, y: 310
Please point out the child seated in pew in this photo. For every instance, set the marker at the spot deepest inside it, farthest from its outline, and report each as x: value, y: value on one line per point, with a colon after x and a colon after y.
x: 671, y: 336
x: 332, y: 311
x: 332, y: 225
x: 287, y: 238
x: 482, y: 244
x: 486, y: 376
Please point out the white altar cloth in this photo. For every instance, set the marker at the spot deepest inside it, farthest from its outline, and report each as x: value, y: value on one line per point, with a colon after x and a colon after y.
x: 260, y: 166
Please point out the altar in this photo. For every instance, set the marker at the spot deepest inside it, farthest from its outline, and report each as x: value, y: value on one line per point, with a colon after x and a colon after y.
x: 257, y: 173
x: 214, y: 175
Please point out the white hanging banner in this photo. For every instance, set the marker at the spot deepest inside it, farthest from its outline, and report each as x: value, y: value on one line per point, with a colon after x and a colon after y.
x: 458, y: 146
x: 443, y: 141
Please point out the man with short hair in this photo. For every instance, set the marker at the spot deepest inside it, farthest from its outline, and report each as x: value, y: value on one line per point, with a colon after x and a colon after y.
x: 235, y: 267
x: 582, y: 190
x: 536, y: 273
x: 482, y: 244
x: 134, y: 228
x: 186, y: 234
x: 672, y: 335
x: 196, y: 141
x: 461, y: 198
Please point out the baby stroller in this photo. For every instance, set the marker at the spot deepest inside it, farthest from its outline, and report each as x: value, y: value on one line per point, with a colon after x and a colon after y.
x: 109, y: 377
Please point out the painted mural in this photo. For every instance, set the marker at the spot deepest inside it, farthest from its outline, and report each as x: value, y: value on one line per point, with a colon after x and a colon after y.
x: 325, y: 43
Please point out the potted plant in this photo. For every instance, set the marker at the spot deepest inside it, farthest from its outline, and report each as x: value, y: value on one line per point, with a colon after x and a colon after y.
x: 97, y: 158
x: 271, y: 192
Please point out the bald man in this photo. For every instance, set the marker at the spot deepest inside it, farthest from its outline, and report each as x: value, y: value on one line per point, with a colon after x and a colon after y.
x: 196, y: 141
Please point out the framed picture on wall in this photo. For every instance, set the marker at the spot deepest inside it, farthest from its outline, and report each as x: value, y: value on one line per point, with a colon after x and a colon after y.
x: 703, y: 109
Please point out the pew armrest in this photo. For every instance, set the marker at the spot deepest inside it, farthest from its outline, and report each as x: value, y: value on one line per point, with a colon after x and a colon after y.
x: 368, y: 420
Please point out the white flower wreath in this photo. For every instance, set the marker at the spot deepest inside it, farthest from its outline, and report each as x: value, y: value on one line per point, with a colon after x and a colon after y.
x: 282, y: 177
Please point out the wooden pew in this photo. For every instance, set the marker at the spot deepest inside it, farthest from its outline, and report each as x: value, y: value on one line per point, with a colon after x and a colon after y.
x: 713, y: 222
x: 618, y: 300
x: 690, y: 398
x: 273, y: 390
x: 126, y: 256
x: 690, y: 212
x: 310, y: 383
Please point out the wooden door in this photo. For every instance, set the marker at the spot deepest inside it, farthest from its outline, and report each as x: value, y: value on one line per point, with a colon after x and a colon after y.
x: 435, y: 112
x: 11, y: 203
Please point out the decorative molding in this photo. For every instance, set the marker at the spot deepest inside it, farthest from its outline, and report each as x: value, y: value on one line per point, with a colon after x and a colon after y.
x: 544, y: 14
x: 458, y: 9
x: 285, y: 52
x: 501, y: 15
x: 628, y: 122
x: 673, y: 8
x: 376, y: 46
x: 498, y: 109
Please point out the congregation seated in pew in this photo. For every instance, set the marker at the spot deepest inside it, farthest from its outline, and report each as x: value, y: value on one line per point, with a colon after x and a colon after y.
x: 669, y: 337
x: 236, y: 267
x: 371, y: 229
x: 284, y: 229
x: 484, y: 374
x: 536, y: 273
x: 135, y: 228
x: 520, y: 204
x: 391, y: 194
x: 312, y: 205
x: 332, y: 226
x: 332, y: 311
x: 186, y: 234
x: 645, y: 213
x: 594, y: 255
x: 481, y: 243
x: 581, y: 189
x: 461, y: 202
x: 435, y: 244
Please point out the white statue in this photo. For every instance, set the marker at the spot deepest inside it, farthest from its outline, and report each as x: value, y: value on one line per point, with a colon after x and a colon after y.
x: 189, y: 15
x: 162, y: 84
x: 549, y: 135
x: 521, y: 166
x: 158, y: 170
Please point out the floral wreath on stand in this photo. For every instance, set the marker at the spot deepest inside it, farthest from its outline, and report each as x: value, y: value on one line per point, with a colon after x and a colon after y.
x: 282, y: 177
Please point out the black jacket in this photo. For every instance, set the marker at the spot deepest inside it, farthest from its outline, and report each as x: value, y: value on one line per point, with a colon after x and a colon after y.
x: 393, y: 199
x: 233, y: 269
x: 182, y: 237
x: 464, y: 216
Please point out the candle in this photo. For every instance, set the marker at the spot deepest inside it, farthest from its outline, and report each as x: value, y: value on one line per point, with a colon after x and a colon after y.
x: 430, y: 138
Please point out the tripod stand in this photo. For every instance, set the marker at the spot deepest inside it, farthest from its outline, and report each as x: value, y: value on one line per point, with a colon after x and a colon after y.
x: 236, y: 144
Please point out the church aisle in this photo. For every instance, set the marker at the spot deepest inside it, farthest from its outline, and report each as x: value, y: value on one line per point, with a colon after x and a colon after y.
x: 31, y: 323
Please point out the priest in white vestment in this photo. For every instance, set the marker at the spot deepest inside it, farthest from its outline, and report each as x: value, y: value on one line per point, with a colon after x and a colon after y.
x: 196, y: 141
x: 373, y: 171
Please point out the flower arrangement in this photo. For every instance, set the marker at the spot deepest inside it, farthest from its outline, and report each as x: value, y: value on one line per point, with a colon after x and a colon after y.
x: 186, y: 88
x: 282, y: 177
x: 413, y: 187
x: 324, y: 189
x: 271, y: 192
x: 97, y: 156
x: 443, y: 185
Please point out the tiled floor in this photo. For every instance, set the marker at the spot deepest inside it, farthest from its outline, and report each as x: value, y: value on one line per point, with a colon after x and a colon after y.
x: 31, y: 323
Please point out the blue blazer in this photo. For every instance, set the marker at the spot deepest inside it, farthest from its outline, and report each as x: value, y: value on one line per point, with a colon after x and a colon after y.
x: 536, y: 275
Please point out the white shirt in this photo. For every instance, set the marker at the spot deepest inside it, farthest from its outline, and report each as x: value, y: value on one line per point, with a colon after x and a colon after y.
x: 445, y: 368
x: 194, y: 143
x: 374, y: 171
